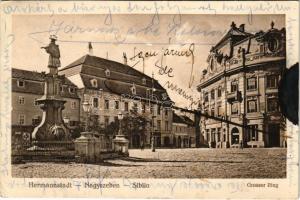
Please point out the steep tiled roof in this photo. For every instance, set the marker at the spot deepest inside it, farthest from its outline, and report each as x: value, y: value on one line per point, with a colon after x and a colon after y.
x: 182, y: 119
x: 178, y: 119
x: 26, y: 75
x: 121, y: 77
x: 34, y: 83
x: 188, y: 120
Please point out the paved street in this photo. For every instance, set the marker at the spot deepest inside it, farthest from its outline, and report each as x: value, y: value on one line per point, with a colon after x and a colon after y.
x: 171, y: 163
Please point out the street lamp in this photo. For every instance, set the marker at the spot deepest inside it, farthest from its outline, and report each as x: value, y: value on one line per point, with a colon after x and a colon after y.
x: 120, y: 118
x: 86, y: 108
x: 152, y: 136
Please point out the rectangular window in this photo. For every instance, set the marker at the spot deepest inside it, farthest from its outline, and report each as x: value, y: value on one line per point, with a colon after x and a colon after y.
x: 166, y: 125
x: 212, y: 94
x: 234, y: 86
x: 252, y: 106
x: 213, y: 135
x: 21, y: 100
x: 251, y: 83
x: 206, y: 97
x: 21, y: 119
x: 166, y: 112
x: 116, y: 105
x: 73, y: 104
x: 158, y: 125
x: 219, y: 111
x: 235, y: 108
x: 212, y: 112
x: 272, y: 104
x: 151, y: 108
x: 252, y: 132
x: 106, y: 104
x: 95, y: 102
x: 106, y: 121
x: 21, y: 83
x: 207, y: 135
x: 158, y: 109
x: 219, y: 92
x: 126, y: 106
x: 272, y: 81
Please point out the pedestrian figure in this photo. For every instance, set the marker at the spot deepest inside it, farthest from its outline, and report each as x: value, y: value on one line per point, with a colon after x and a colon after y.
x: 142, y: 147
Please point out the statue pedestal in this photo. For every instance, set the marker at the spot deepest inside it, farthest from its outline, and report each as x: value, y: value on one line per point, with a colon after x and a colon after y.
x: 85, y: 148
x: 121, y: 145
x: 52, y: 127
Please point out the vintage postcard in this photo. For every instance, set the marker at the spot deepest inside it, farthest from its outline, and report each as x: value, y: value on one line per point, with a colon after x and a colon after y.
x: 149, y: 99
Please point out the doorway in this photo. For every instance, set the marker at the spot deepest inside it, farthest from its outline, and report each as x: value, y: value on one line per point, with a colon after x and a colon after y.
x: 235, y: 136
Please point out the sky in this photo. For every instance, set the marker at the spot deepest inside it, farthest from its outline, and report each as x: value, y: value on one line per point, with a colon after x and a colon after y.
x: 173, y: 48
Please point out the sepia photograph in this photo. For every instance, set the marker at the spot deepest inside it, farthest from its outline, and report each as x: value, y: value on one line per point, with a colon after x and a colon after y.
x: 148, y: 96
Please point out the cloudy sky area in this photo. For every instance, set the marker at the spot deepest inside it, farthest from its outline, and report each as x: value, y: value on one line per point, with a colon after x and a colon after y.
x: 111, y: 35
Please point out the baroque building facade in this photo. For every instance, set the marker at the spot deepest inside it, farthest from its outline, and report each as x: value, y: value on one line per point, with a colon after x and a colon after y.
x: 111, y: 87
x: 240, y: 85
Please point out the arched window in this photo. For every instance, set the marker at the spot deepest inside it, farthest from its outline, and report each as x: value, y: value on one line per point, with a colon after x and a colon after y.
x: 273, y: 44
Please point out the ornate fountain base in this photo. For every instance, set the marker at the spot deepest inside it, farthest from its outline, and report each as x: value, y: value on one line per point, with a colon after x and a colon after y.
x: 52, y: 127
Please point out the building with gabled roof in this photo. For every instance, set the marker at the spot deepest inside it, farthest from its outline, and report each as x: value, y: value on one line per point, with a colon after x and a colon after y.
x: 113, y: 87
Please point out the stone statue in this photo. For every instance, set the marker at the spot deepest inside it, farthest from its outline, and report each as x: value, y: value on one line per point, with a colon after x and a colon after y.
x: 54, y: 55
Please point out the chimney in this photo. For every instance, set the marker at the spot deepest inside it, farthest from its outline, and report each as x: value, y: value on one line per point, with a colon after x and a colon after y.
x: 90, y: 49
x: 242, y: 27
x: 125, y: 58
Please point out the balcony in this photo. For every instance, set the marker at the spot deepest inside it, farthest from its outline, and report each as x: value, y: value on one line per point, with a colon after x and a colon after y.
x: 234, y: 96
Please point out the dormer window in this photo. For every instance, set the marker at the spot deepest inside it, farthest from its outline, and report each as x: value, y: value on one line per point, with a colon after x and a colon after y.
x: 71, y: 90
x: 133, y: 89
x: 21, y: 83
x: 107, y: 72
x: 144, y: 81
x: 94, y: 83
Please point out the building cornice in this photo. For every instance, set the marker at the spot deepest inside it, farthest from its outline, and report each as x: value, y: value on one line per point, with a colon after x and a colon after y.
x: 236, y: 70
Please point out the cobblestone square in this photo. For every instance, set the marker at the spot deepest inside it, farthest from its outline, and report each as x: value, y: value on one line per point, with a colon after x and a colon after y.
x: 170, y: 163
